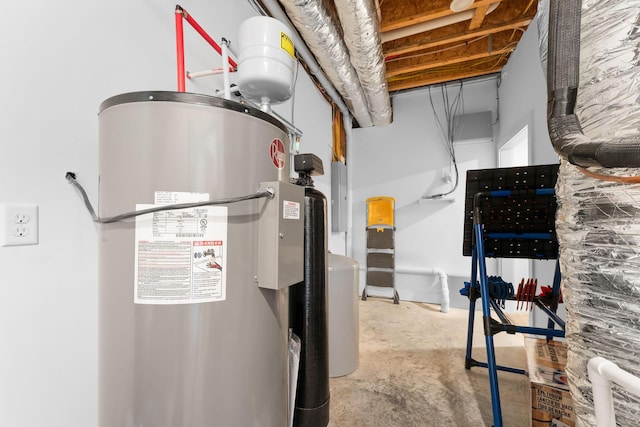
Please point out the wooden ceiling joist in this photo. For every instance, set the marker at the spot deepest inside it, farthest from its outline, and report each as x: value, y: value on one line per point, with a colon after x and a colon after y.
x: 478, y: 17
x: 491, y: 45
x: 431, y: 78
x: 466, y: 46
x: 425, y: 41
x: 403, y: 13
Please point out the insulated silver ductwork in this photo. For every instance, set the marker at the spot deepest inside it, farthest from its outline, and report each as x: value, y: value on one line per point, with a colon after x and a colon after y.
x: 361, y: 34
x: 321, y: 30
x: 598, y: 221
x: 615, y: 149
x: 541, y: 22
x: 322, y: 33
x: 599, y: 235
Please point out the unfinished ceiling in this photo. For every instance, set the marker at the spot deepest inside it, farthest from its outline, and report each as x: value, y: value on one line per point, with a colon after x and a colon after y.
x: 434, y: 41
x: 368, y: 49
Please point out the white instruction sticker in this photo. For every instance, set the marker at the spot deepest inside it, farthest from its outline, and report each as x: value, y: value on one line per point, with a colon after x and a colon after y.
x: 173, y: 197
x: 180, y: 255
x: 290, y: 210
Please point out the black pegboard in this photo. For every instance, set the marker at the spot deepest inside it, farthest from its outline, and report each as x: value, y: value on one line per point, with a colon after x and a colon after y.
x: 520, y: 214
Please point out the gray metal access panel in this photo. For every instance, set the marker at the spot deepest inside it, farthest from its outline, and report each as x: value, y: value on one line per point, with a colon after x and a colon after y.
x: 281, y: 236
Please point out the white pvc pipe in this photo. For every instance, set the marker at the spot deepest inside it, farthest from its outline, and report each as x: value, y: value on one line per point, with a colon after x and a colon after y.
x: 225, y: 69
x: 601, y: 374
x: 432, y: 24
x: 444, y: 285
x: 197, y: 74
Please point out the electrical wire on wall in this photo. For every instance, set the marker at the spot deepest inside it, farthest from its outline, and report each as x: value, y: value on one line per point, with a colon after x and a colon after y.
x: 71, y: 177
x: 447, y: 125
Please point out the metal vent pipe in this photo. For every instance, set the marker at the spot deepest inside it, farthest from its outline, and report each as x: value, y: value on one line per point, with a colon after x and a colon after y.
x: 362, y: 37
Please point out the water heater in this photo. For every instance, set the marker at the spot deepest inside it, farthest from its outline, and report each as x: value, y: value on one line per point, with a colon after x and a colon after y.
x: 188, y: 336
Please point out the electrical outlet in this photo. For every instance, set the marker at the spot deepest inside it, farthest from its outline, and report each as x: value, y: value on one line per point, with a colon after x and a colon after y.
x: 21, y: 218
x: 18, y: 224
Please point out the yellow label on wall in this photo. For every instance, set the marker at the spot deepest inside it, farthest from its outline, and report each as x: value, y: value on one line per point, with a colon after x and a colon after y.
x: 286, y: 43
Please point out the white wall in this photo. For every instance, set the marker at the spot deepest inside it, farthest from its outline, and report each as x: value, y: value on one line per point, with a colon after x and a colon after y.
x: 61, y: 60
x: 406, y: 160
x: 523, y: 101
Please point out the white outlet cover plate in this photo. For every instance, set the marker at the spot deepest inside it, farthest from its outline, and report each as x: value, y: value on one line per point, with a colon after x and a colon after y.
x: 18, y: 224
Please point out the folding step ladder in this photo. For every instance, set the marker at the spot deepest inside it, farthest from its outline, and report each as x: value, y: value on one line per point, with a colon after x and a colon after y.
x: 381, y: 245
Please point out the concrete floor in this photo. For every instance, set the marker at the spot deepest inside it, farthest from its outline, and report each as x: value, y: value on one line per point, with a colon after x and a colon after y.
x: 412, y: 373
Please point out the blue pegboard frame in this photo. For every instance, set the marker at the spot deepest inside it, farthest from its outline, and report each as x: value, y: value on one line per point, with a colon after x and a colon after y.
x: 509, y: 213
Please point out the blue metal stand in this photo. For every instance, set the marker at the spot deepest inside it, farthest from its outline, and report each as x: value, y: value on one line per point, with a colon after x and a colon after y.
x: 479, y: 288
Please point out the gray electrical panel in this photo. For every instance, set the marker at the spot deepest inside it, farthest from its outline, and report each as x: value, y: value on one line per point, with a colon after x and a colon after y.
x: 281, y: 236
x: 474, y: 126
x: 338, y: 197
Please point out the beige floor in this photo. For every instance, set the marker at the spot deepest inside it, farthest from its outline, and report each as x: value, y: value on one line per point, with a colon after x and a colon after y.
x: 411, y: 371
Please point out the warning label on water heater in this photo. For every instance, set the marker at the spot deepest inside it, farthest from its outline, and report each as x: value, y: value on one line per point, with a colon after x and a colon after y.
x: 290, y: 210
x: 180, y: 255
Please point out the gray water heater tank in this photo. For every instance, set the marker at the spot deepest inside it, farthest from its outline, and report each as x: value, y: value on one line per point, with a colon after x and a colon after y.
x: 186, y: 336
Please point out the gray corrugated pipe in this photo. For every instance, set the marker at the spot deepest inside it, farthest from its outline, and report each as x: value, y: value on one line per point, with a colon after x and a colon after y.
x: 362, y: 36
x: 562, y: 83
x: 322, y: 33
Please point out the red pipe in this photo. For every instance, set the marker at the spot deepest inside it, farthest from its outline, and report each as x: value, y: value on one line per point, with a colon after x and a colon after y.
x: 180, y: 13
x: 204, y: 35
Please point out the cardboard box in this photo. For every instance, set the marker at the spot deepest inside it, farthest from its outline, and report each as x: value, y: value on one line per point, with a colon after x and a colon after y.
x: 551, y: 404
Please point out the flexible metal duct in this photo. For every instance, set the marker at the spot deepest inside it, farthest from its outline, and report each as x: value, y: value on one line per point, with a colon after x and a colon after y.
x: 599, y: 235
x: 322, y: 33
x: 614, y: 149
x: 362, y: 37
x: 541, y: 23
x: 598, y: 221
